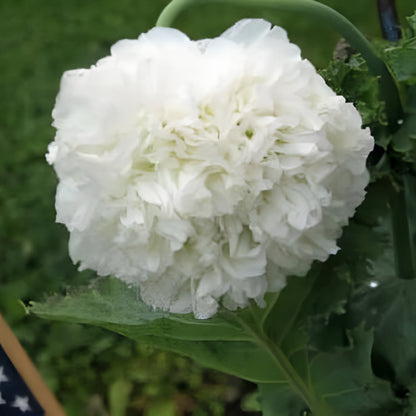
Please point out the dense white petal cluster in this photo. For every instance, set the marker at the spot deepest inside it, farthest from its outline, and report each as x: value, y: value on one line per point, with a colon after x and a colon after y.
x: 205, y: 171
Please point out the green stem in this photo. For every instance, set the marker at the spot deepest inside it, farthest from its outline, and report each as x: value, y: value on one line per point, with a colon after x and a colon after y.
x: 326, y: 15
x: 403, y: 203
x: 409, y: 182
x: 317, y: 407
x: 297, y: 384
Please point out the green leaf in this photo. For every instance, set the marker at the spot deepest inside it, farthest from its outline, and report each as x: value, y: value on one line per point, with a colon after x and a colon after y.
x: 279, y: 400
x: 352, y: 79
x: 402, y: 60
x: 346, y: 380
x: 220, y: 342
x: 306, y: 302
x: 396, y: 338
x: 366, y: 257
x: 411, y: 20
x: 110, y: 302
x: 395, y: 330
x: 288, y: 305
x: 242, y: 359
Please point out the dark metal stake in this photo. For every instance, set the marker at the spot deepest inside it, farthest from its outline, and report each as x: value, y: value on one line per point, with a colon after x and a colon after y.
x: 390, y: 26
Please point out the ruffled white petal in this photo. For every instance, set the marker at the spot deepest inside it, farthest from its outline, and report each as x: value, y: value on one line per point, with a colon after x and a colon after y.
x: 205, y: 171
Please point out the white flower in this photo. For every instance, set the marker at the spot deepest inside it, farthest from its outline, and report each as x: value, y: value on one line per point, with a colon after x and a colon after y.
x: 190, y: 167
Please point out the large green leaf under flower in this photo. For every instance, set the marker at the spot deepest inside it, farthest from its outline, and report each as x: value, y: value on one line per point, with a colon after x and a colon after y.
x: 220, y: 342
x: 262, y: 345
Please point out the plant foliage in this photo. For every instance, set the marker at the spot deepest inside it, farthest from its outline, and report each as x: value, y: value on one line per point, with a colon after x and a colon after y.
x: 338, y: 341
x: 347, y: 329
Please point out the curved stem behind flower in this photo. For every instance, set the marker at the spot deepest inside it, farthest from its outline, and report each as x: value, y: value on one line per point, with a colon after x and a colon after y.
x: 388, y: 88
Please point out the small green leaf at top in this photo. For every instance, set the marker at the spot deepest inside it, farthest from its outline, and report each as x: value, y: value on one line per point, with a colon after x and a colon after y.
x: 411, y: 20
x: 352, y: 79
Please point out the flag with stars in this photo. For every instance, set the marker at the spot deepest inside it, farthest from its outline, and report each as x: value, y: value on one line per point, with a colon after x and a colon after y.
x: 16, y: 398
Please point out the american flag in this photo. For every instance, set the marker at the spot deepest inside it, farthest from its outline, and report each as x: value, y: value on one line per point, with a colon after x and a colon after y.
x: 16, y: 398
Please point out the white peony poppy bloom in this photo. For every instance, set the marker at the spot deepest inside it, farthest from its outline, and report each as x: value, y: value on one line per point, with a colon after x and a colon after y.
x: 189, y: 168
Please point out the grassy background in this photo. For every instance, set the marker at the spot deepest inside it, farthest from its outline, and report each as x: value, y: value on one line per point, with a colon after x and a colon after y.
x: 94, y: 372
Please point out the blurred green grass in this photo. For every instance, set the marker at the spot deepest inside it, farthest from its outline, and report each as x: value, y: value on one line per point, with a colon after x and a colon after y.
x: 39, y: 39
